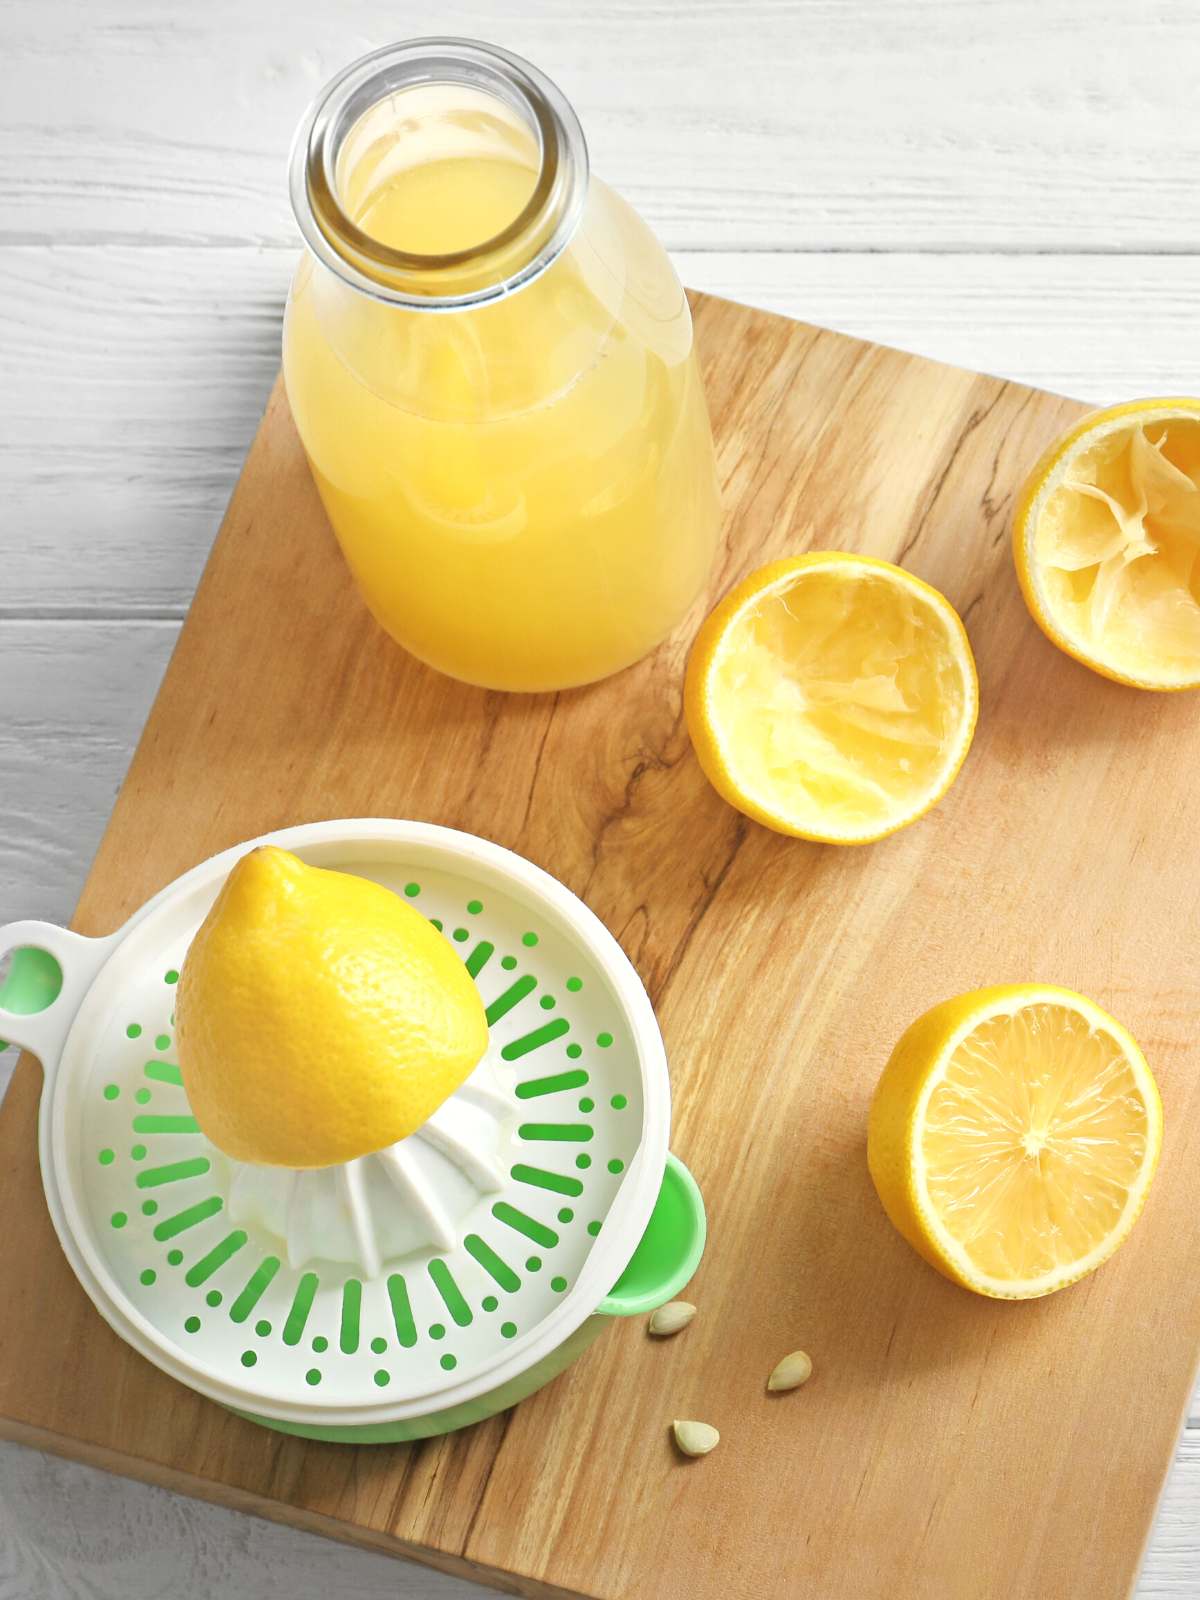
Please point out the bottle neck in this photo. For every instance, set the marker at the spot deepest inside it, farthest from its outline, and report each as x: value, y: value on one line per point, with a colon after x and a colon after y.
x: 414, y: 106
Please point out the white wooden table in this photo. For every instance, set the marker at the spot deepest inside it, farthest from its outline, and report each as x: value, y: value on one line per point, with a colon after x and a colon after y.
x: 1008, y: 184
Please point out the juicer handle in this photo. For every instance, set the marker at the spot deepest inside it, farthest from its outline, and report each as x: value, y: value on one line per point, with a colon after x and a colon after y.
x: 669, y: 1251
x: 51, y: 971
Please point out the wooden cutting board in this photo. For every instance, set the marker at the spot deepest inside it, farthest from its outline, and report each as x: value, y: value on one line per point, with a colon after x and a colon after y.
x: 948, y: 1448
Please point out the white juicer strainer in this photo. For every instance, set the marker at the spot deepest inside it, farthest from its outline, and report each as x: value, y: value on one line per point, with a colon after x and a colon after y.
x: 410, y: 1292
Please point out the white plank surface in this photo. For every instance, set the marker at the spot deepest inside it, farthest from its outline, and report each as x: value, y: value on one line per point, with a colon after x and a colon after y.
x: 1004, y: 184
x: 778, y: 124
x: 73, y: 698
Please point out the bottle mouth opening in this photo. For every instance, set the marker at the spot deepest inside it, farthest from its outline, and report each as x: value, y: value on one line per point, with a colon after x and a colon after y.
x: 366, y: 104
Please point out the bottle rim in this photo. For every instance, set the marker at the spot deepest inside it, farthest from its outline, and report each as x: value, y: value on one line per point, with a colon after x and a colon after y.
x: 486, y: 271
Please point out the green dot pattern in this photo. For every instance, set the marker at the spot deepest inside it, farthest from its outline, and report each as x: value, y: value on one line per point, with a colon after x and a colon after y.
x: 412, y: 890
x: 437, y: 1331
x: 474, y: 907
x: 171, y: 977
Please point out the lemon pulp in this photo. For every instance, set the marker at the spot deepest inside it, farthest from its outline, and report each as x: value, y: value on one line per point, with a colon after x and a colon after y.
x: 835, y: 699
x: 1013, y: 1136
x: 1033, y: 1141
x: 1113, y: 546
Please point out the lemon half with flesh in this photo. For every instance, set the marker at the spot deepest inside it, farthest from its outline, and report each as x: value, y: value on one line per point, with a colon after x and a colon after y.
x: 1106, y: 538
x: 319, y: 1017
x: 832, y: 696
x: 1013, y: 1137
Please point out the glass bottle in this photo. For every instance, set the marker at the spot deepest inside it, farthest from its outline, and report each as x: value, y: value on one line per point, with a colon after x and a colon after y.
x: 490, y: 362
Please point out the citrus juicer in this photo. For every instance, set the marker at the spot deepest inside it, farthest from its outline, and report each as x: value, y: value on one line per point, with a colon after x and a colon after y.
x: 411, y: 1291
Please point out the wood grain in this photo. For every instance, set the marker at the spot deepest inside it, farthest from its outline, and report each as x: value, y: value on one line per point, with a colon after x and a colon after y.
x: 948, y: 1446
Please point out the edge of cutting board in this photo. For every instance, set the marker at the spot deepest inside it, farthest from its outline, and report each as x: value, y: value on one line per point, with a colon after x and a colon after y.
x: 821, y: 439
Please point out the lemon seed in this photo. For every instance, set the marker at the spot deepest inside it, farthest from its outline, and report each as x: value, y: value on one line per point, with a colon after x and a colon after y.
x: 695, y: 1438
x: 671, y: 1318
x: 791, y: 1372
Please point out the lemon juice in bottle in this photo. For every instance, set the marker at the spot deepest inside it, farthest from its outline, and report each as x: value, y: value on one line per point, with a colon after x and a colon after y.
x: 490, y: 363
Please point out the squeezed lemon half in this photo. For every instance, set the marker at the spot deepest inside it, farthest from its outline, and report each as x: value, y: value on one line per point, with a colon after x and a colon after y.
x: 1106, y: 537
x: 319, y: 1017
x: 832, y: 696
x: 1013, y: 1137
